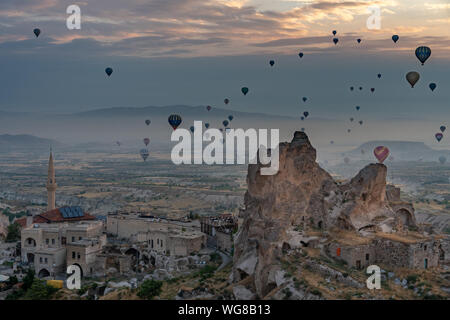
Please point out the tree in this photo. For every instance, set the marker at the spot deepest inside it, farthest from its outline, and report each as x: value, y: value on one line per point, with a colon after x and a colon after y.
x: 39, y: 290
x: 28, y: 279
x: 149, y: 289
x: 13, y: 232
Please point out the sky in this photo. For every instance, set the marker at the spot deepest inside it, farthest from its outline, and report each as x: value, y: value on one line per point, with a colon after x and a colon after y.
x: 198, y: 52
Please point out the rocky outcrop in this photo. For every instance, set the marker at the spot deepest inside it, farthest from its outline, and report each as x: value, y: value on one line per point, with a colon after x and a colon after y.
x: 300, y: 196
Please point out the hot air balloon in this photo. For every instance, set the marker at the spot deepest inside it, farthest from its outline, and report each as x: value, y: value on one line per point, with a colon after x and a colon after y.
x: 192, y: 128
x: 412, y: 77
x: 304, y: 99
x: 306, y: 114
x: 109, y: 71
x: 271, y: 62
x: 442, y: 128
x: 37, y: 32
x: 244, y: 90
x: 225, y: 123
x: 208, y: 108
x: 439, y: 136
x: 351, y: 119
x: 230, y: 117
x: 372, y: 89
x: 358, y: 107
x: 302, y: 118
x: 334, y: 32
x: 381, y: 153
x: 332, y: 142
x: 360, y: 122
x: 442, y: 159
x: 147, y: 122
x: 118, y: 143
x: 335, y: 40
x: 360, y: 88
x: 395, y: 38
x: 300, y: 54
x: 227, y: 101
x: 349, y: 130
x: 175, y: 120
x: 346, y: 160
x: 379, y: 75
x: 423, y: 53
x: 432, y: 86
x: 206, y: 125
x: 359, y: 40
x: 146, y: 141
x: 144, y: 154
x: 351, y: 88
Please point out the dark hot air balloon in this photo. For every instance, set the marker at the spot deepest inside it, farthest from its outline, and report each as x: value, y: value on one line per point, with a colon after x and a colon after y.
x: 244, y: 90
x: 349, y: 130
x: 335, y: 40
x: 118, y: 143
x: 423, y: 53
x: 432, y: 86
x: 147, y: 122
x: 331, y: 142
x: 412, y: 77
x: 230, y: 117
x: 271, y: 62
x: 146, y: 141
x: 109, y: 71
x: 395, y: 38
x: 192, y: 128
x: 227, y: 101
x: 360, y: 122
x: 300, y: 54
x: 306, y: 114
x: 37, y: 32
x: 442, y: 128
x: 304, y: 99
x: 225, y: 123
x: 208, y: 108
x: 206, y: 125
x: 334, y: 32
x: 372, y: 89
x: 360, y: 88
x: 439, y: 136
x: 351, y: 88
x: 379, y: 75
x: 175, y: 120
x: 144, y: 154
x: 351, y: 119
x: 359, y: 40
x: 358, y: 107
x: 381, y: 153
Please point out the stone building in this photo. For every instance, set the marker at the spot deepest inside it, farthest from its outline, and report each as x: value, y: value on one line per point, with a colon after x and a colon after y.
x: 160, y: 235
x: 219, y: 231
x: 407, y: 251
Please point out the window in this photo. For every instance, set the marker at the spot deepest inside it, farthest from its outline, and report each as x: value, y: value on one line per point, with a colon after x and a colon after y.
x: 161, y: 243
x: 46, y: 241
x: 152, y: 243
x: 40, y: 259
x: 78, y: 256
x: 79, y: 238
x: 53, y: 241
x: 73, y: 254
x: 367, y: 257
x: 73, y: 239
x: 46, y: 260
x: 157, y: 241
x: 425, y: 248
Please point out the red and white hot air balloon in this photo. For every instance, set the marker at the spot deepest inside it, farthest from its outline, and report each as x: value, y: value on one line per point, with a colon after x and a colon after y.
x: 381, y: 153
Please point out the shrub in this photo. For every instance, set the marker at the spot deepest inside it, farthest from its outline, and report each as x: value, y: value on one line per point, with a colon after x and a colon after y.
x: 39, y: 290
x: 149, y: 289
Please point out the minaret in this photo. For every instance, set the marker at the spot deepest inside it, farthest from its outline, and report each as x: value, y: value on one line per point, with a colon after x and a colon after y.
x: 51, y: 184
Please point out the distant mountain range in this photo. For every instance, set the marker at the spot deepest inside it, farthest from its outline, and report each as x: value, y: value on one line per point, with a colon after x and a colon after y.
x: 25, y: 141
x: 399, y: 150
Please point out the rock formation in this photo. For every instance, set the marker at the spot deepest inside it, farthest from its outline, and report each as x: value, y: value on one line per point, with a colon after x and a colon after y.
x: 302, y: 195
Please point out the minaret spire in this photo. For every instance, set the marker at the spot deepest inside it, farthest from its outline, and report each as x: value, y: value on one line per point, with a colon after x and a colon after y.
x: 51, y: 184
